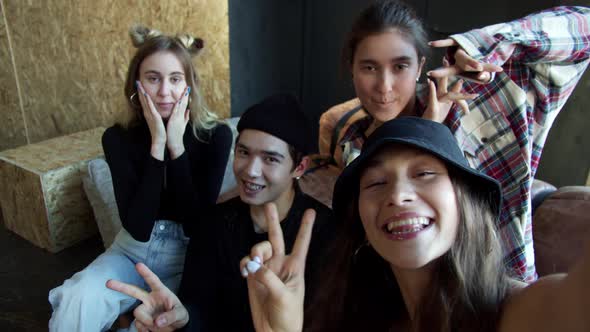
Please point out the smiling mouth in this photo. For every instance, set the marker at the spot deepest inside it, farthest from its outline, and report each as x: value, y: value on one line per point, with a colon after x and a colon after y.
x: 252, y: 188
x: 400, y: 229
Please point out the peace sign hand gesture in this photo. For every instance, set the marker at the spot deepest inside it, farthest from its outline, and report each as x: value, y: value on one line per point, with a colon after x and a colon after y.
x: 441, y: 99
x: 464, y: 65
x: 276, y: 285
x: 161, y: 310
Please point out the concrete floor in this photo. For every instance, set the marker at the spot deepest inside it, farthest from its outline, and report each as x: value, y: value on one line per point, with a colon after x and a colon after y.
x: 27, y: 273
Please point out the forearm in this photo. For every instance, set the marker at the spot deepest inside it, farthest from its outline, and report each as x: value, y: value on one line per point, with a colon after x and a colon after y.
x: 139, y: 202
x: 137, y: 188
x: 552, y: 36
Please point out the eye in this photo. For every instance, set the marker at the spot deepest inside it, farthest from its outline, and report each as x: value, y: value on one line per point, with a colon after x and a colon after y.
x: 175, y: 80
x: 271, y: 160
x: 369, y: 68
x: 241, y: 152
x: 425, y: 174
x: 401, y: 66
x: 153, y: 79
x: 372, y: 183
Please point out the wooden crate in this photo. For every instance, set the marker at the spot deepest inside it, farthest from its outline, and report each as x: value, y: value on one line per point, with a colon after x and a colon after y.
x: 41, y: 193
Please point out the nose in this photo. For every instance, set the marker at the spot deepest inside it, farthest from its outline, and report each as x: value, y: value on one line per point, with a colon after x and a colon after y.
x: 253, y: 168
x: 385, y: 81
x: 164, y: 89
x: 401, y: 193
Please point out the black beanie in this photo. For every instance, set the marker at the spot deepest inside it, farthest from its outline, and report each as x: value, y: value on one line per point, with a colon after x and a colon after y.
x: 280, y: 115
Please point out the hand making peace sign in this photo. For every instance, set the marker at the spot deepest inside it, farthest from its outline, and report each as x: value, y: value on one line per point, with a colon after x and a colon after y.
x: 160, y: 311
x: 276, y: 285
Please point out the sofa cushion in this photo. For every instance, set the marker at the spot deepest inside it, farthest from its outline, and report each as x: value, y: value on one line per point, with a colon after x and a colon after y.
x: 561, y: 229
x: 98, y: 186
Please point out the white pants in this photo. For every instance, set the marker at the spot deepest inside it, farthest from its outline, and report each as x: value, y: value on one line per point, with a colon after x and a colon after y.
x: 83, y: 303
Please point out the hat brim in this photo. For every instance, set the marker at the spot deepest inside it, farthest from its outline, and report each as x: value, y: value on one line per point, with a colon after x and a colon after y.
x: 347, y: 184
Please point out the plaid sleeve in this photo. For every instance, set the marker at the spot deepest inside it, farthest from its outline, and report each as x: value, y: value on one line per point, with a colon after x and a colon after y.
x: 545, y: 52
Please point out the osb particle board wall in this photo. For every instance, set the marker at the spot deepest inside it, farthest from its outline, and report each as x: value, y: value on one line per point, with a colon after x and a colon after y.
x: 68, y: 60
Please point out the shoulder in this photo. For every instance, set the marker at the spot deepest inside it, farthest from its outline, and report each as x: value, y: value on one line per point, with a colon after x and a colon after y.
x: 323, y: 213
x: 229, y: 210
x: 524, y: 304
x: 334, y: 113
x: 221, y: 133
x: 218, y: 136
x: 114, y: 136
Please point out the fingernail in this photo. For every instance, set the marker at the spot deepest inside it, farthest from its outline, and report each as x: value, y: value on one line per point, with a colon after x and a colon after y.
x: 136, y: 84
x: 161, y: 321
x: 252, y: 266
x: 429, y: 73
x: 257, y: 260
x: 430, y: 43
x: 188, y: 90
x: 244, y: 272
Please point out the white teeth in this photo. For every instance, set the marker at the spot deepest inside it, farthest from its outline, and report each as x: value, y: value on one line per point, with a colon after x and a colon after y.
x: 252, y: 186
x: 412, y: 221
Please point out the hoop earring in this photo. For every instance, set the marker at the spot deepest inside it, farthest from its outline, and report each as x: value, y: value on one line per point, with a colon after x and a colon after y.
x: 131, y: 100
x: 355, y: 256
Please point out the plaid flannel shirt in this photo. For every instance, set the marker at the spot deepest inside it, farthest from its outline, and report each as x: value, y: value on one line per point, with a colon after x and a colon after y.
x: 543, y: 56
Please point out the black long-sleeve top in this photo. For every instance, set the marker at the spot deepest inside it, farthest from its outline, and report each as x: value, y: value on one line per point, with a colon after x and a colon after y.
x: 147, y: 189
x: 212, y: 288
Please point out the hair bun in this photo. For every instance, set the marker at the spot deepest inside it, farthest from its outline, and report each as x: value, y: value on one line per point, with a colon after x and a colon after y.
x: 140, y: 33
x: 192, y: 44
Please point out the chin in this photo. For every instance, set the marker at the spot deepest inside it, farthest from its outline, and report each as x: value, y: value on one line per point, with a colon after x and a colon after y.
x: 385, y: 115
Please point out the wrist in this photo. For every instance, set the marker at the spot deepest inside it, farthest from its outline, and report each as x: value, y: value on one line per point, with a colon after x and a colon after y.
x: 175, y: 150
x: 157, y: 151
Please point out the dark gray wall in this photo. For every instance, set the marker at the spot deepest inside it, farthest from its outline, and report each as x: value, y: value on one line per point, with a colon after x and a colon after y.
x: 266, y: 45
x: 294, y: 46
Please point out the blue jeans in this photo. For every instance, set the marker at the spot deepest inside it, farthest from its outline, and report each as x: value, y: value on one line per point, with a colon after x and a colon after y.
x: 84, y: 303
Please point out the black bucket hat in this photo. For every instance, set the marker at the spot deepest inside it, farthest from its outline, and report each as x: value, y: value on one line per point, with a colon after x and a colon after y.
x: 427, y: 135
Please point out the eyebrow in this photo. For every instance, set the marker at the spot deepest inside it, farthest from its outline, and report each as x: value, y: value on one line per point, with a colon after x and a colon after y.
x: 158, y: 73
x: 265, y: 152
x: 402, y: 58
x: 377, y: 161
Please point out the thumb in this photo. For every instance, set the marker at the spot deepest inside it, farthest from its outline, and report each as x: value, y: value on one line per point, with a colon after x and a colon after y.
x: 187, y: 114
x: 271, y: 281
x: 177, y: 317
x: 432, y: 101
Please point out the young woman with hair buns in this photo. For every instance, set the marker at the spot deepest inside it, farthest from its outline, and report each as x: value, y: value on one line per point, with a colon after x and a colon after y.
x: 167, y: 164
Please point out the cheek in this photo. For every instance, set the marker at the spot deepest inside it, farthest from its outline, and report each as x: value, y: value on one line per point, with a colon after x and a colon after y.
x: 362, y: 85
x: 367, y: 211
x: 237, y: 165
x: 151, y: 90
x: 278, y: 174
x: 178, y: 90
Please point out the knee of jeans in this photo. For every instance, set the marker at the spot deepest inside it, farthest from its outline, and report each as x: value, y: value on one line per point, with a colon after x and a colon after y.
x: 82, y: 290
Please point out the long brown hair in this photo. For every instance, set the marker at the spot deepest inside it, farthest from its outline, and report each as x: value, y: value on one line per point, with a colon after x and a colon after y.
x: 150, y: 41
x: 466, y: 292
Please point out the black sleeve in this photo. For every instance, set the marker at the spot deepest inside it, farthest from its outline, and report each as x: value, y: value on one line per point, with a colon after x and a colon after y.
x: 137, y: 187
x: 198, y: 290
x: 323, y: 236
x: 196, y: 176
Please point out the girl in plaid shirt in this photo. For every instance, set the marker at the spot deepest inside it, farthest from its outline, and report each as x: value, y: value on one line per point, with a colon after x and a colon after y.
x: 519, y: 75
